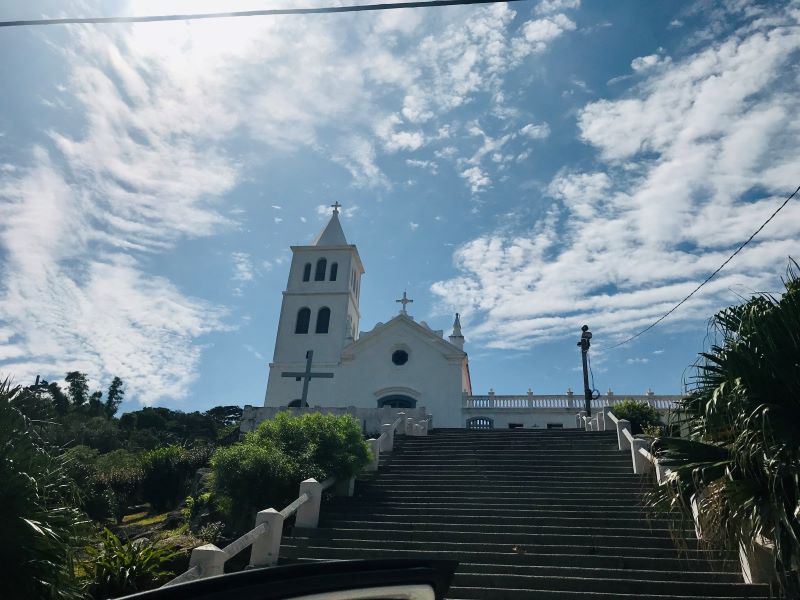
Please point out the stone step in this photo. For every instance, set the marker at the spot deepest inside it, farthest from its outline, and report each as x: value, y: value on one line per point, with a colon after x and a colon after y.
x: 491, y: 477
x: 488, y: 499
x: 567, y: 519
x: 481, y: 593
x: 674, y: 586
x: 512, y: 559
x: 597, y: 573
x: 360, y: 506
x: 450, y: 546
x: 638, y: 529
x: 572, y: 491
x: 568, y: 537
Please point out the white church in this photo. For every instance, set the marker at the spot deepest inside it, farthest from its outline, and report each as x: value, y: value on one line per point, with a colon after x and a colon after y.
x: 322, y: 361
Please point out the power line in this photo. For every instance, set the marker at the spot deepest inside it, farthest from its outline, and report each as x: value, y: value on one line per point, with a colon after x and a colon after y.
x: 710, y: 277
x: 249, y: 13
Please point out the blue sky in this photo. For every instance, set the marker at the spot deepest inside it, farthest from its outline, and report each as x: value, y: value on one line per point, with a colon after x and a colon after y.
x: 533, y: 166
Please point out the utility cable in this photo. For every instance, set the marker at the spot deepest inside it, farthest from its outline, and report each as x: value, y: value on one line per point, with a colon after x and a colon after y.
x: 249, y: 13
x: 710, y: 277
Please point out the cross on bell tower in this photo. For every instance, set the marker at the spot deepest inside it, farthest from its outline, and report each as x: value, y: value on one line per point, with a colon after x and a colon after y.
x: 336, y: 206
x: 404, y: 301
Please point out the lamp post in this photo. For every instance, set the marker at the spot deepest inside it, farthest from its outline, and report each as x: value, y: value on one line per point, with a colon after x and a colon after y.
x: 586, y: 335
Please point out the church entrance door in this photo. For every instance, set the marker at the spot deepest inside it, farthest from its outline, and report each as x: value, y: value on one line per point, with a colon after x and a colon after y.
x: 397, y: 401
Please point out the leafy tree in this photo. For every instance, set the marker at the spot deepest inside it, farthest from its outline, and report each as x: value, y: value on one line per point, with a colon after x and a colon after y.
x: 96, y: 407
x: 640, y: 414
x: 37, y: 510
x: 78, y: 388
x: 266, y: 469
x: 225, y: 415
x: 58, y: 397
x: 741, y: 458
x: 114, y: 397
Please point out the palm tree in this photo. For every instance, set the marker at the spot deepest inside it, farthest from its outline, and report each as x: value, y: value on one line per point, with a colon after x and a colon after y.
x: 740, y: 462
x: 41, y: 525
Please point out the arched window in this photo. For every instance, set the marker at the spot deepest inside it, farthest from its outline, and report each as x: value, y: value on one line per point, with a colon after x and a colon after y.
x: 322, y: 266
x: 480, y: 423
x: 307, y: 272
x: 334, y: 271
x: 397, y: 401
x: 303, y: 319
x: 323, y: 320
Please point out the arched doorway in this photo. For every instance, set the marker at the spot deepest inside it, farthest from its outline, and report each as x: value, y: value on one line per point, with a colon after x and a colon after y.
x: 397, y: 401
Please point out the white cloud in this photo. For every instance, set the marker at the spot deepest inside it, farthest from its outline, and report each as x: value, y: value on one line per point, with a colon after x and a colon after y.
x: 536, y: 131
x: 243, y: 271
x: 637, y: 361
x: 277, y: 220
x: 477, y: 178
x: 254, y: 352
x: 651, y: 61
x: 689, y: 163
x: 413, y: 225
x: 428, y: 165
x: 546, y: 7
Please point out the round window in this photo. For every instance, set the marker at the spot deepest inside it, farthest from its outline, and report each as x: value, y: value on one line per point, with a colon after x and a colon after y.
x: 399, y: 357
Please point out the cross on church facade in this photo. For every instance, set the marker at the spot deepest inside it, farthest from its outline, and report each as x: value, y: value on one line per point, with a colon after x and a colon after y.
x: 404, y: 301
x: 336, y: 206
x: 306, y: 376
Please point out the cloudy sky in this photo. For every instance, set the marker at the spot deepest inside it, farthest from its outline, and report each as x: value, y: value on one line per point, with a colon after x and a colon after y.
x: 534, y: 166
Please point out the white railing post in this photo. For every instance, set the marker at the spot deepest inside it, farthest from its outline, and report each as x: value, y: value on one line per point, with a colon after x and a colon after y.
x: 209, y: 559
x: 375, y: 451
x: 622, y: 440
x: 601, y: 419
x: 409, y: 426
x: 641, y: 464
x: 423, y: 427
x: 265, y: 549
x: 401, y: 426
x: 308, y: 513
x: 581, y: 422
x: 345, y: 487
x: 387, y: 431
x: 662, y: 472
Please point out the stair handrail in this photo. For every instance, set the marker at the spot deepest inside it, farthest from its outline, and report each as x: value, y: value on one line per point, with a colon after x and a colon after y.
x: 265, y: 538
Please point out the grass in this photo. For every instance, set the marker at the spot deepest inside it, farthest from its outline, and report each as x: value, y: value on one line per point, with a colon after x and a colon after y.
x: 142, y: 518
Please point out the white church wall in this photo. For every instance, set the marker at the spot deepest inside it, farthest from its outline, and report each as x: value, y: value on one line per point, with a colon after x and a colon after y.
x: 429, y: 376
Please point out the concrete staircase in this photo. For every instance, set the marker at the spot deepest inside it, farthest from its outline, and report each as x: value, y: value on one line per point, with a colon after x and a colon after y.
x: 529, y: 514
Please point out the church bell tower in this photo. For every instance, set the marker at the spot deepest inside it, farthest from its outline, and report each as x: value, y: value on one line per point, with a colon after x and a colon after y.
x: 319, y: 312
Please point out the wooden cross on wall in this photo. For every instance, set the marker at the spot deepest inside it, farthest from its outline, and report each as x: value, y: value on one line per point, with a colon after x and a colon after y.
x: 306, y: 376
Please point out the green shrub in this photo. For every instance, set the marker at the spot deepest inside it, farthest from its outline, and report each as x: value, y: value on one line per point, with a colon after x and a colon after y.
x: 116, y: 568
x: 125, y: 485
x: 211, y: 533
x: 322, y: 445
x: 165, y: 476
x: 248, y: 478
x: 266, y: 469
x: 167, y: 472
x: 640, y: 414
x: 37, y: 511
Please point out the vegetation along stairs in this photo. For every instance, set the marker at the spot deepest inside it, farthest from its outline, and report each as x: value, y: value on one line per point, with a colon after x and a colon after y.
x: 544, y: 514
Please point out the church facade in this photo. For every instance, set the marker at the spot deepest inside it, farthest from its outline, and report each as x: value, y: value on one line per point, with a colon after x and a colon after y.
x: 322, y: 361
x: 401, y: 363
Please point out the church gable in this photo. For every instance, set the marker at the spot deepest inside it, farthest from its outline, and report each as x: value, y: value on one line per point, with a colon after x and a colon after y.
x: 399, y: 327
